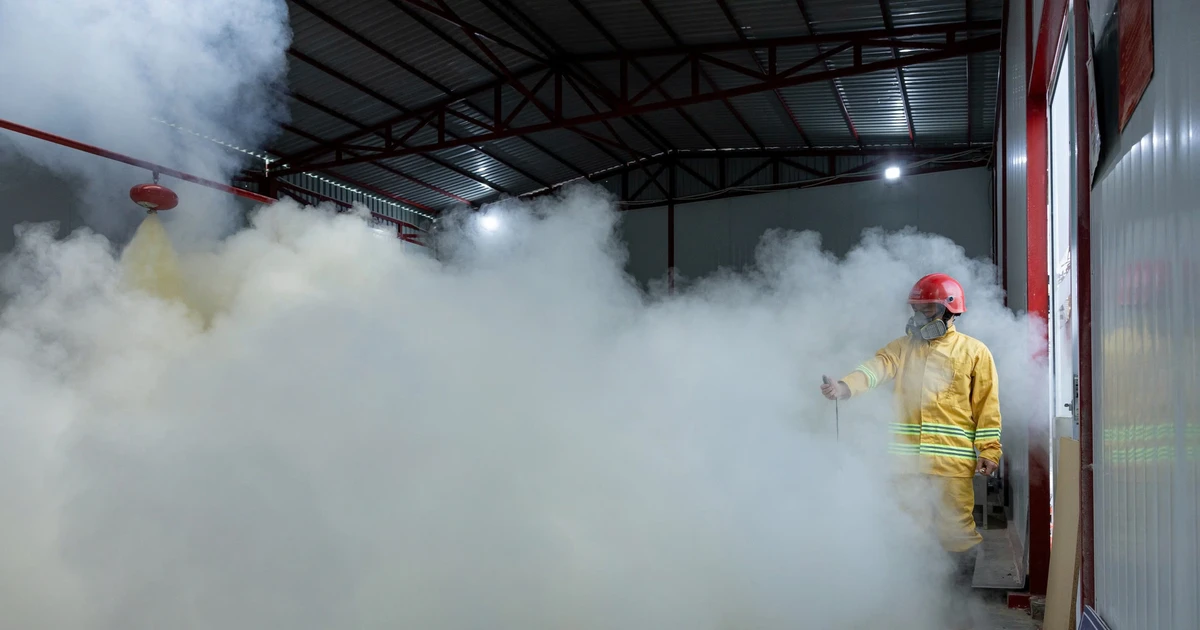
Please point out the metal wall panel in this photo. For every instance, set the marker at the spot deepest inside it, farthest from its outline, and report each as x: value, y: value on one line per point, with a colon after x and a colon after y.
x: 1016, y: 443
x: 725, y: 232
x: 1145, y: 227
x: 1017, y: 155
x: 644, y: 233
x: 35, y: 194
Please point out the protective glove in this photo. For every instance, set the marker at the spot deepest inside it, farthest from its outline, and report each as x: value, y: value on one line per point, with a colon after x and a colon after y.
x: 834, y: 391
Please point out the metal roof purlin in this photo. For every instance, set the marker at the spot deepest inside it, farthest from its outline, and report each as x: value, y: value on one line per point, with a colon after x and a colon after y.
x: 875, y: 37
x: 629, y: 107
x: 448, y: 16
x: 416, y: 72
x: 908, y: 117
x: 770, y: 70
x: 834, y: 84
x: 284, y: 159
x: 697, y: 71
x: 514, y: 81
x: 595, y: 85
x: 396, y: 172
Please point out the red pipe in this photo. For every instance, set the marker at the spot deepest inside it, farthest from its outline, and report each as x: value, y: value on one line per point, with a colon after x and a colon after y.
x: 150, y: 166
x: 1083, y: 279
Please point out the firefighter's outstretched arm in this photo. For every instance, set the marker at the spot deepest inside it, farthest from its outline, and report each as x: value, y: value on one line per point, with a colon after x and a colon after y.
x: 870, y: 374
x: 985, y: 407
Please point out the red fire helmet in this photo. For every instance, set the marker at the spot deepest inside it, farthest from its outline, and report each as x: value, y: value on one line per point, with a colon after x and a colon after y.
x: 939, y: 288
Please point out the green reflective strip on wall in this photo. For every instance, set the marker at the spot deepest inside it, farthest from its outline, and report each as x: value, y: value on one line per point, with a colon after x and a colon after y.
x: 1149, y: 454
x: 1146, y: 432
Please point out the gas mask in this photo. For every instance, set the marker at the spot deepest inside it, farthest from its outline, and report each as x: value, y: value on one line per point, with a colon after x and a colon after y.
x: 926, y: 323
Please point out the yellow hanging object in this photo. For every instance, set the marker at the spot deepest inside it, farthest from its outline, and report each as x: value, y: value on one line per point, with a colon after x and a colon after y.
x: 150, y: 262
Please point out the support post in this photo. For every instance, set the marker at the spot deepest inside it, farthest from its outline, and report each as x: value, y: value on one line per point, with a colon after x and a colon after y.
x: 671, y: 224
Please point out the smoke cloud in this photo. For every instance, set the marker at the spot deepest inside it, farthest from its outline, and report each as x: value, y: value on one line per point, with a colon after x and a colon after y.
x: 343, y: 431
x: 112, y: 74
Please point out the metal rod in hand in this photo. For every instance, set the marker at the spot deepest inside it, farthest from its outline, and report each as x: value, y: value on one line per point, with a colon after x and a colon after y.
x: 837, y: 420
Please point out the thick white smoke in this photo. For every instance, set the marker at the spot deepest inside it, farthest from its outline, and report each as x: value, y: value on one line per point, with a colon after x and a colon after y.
x: 513, y: 437
x: 112, y: 74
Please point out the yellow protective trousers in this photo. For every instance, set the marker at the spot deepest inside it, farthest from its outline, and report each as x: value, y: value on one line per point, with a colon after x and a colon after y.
x: 944, y: 505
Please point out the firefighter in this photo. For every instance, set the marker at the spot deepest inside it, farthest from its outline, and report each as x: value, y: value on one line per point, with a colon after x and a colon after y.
x: 948, y: 429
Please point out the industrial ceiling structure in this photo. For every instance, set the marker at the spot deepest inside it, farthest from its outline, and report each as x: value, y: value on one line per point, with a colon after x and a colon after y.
x: 436, y: 103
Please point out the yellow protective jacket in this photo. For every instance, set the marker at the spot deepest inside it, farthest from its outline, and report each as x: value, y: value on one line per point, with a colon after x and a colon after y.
x: 947, y: 400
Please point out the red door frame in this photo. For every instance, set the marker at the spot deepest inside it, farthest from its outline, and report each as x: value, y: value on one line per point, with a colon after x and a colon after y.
x: 1040, y: 64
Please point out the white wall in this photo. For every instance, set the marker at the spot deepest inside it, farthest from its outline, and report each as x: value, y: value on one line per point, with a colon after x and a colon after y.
x: 1145, y: 229
x: 724, y: 233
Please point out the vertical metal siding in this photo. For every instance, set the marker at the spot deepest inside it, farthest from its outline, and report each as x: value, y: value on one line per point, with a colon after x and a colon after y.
x: 1016, y: 443
x: 341, y: 192
x: 725, y: 233
x: 1147, y: 384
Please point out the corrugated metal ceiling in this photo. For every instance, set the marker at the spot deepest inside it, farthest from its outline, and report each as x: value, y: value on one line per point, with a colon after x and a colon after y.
x: 356, y: 64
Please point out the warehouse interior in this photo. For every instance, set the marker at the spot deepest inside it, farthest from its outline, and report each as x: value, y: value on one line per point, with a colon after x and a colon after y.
x: 445, y: 313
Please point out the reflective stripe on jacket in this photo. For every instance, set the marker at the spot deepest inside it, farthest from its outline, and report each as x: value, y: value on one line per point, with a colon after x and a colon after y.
x: 947, y: 399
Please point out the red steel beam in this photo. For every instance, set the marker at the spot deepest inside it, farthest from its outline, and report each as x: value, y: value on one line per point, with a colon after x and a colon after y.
x: 377, y: 49
x: 507, y: 77
x: 413, y: 70
x: 908, y: 117
x: 666, y: 27
x: 333, y: 113
x: 877, y: 38
x: 644, y: 129
x: 980, y: 44
x: 449, y: 17
x: 345, y: 204
x: 815, y: 183
x: 334, y: 144
x: 883, y: 153
x: 581, y: 73
x: 396, y: 172
x: 834, y: 84
x: 867, y: 38
x: 727, y: 192
x: 737, y: 28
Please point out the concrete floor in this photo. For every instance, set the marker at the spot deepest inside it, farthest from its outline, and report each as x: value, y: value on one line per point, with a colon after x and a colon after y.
x: 998, y: 566
x: 993, y: 613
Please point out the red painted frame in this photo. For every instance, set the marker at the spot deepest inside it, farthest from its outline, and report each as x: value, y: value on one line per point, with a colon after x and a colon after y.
x: 1041, y: 62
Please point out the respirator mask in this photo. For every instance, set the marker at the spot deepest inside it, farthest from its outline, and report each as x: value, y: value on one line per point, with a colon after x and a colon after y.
x: 928, y: 321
